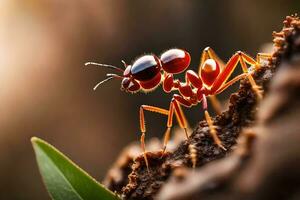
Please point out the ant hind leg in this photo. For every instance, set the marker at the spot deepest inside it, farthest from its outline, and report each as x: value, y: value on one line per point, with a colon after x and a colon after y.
x: 244, y: 58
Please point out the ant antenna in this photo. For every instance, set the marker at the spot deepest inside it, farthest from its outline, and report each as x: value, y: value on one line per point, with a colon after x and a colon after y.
x: 103, y: 81
x: 104, y: 65
x: 115, y: 76
x: 109, y: 77
x: 124, y: 63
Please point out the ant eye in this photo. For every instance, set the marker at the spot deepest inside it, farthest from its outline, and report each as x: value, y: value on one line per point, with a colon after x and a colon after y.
x: 146, y: 68
x: 130, y: 85
x: 175, y: 60
x: 134, y: 86
x: 125, y: 83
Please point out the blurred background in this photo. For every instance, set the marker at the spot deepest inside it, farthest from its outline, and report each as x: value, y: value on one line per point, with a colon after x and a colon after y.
x: 45, y: 91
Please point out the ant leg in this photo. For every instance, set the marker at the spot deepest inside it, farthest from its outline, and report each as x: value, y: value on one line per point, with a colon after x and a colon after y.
x: 182, y: 122
x: 257, y: 89
x: 208, y: 53
x: 259, y: 58
x: 178, y: 101
x: 143, y: 127
x: 212, y: 128
x: 175, y: 107
x: 169, y: 126
x: 213, y: 131
x: 229, y: 68
x: 229, y: 83
x: 225, y: 74
x: 215, y: 104
x: 257, y: 64
x: 193, y: 155
x: 263, y: 56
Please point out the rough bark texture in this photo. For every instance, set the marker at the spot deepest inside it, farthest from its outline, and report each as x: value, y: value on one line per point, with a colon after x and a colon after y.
x: 263, y: 167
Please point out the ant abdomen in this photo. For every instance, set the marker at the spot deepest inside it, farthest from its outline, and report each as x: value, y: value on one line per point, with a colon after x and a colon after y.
x: 209, y: 71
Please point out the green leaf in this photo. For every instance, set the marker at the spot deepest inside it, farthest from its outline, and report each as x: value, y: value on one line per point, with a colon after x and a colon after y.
x: 64, y: 179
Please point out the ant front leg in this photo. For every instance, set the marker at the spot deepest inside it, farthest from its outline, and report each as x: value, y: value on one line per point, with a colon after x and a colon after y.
x: 175, y: 107
x: 143, y: 126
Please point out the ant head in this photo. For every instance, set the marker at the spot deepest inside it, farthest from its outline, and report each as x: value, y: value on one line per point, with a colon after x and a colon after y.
x: 129, y: 84
x: 143, y: 73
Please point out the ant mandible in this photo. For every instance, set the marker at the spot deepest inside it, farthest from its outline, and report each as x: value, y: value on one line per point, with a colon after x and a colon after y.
x: 149, y: 71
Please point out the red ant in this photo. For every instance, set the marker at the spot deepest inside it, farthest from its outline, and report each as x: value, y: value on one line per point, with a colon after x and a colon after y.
x: 148, y: 72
